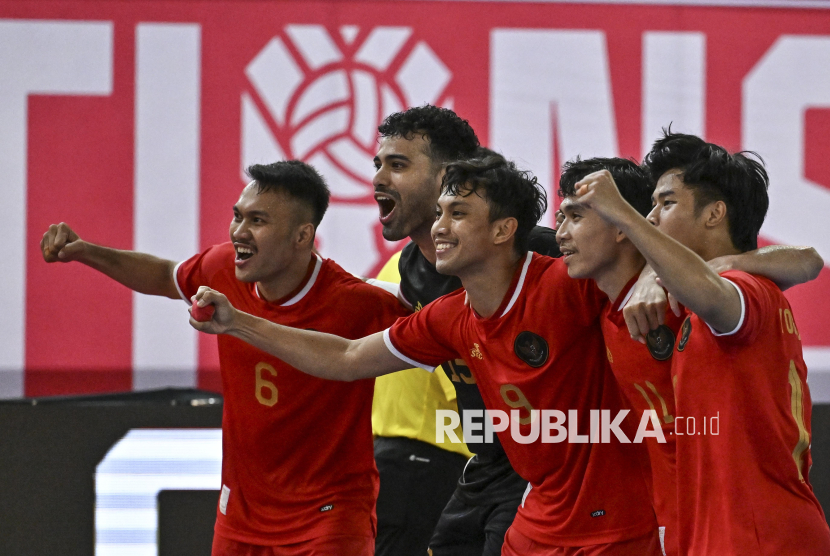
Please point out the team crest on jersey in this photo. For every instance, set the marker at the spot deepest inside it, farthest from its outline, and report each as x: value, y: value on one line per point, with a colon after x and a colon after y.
x: 531, y: 348
x: 685, y: 330
x: 660, y: 342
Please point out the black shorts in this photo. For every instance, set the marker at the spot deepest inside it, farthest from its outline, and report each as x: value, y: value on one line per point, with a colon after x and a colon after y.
x: 480, y: 511
x: 416, y: 481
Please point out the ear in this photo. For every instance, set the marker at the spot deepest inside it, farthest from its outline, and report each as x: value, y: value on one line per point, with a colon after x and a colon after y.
x: 620, y: 236
x: 714, y: 214
x: 504, y: 230
x: 304, y: 235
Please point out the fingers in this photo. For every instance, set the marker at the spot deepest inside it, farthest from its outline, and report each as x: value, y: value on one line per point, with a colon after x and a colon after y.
x: 59, y: 243
x: 674, y: 304
x: 637, y: 322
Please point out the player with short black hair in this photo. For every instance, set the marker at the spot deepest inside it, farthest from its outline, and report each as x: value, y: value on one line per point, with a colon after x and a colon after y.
x: 484, y: 499
x: 521, y: 358
x: 742, y: 399
x: 282, y: 489
x: 300, y: 180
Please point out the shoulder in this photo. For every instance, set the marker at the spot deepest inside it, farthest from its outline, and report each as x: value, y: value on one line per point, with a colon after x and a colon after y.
x: 542, y: 240
x: 342, y: 286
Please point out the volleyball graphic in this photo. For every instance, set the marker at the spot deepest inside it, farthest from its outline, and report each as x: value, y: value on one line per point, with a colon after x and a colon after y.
x: 318, y: 96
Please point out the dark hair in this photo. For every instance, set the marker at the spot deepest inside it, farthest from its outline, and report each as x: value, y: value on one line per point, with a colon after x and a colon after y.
x: 450, y: 137
x: 713, y: 174
x: 509, y: 192
x: 631, y: 179
x: 300, y: 180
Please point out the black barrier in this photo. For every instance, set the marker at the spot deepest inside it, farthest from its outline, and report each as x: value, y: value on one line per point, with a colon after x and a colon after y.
x: 50, y: 448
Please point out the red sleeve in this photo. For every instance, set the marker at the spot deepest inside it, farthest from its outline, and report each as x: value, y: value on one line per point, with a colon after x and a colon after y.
x: 428, y: 338
x: 200, y: 269
x: 374, y: 309
x: 758, y: 304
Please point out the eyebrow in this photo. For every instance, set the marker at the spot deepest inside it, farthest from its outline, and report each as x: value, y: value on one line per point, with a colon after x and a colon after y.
x: 570, y: 205
x: 392, y: 157
x: 251, y: 212
x: 663, y: 194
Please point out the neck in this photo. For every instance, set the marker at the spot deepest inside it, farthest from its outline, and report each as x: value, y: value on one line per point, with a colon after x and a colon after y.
x: 487, y: 285
x: 423, y: 239
x: 288, y: 280
x: 614, y: 279
x: 716, y: 246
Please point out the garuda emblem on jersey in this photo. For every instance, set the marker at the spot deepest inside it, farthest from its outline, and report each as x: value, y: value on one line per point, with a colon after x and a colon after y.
x: 685, y: 330
x: 531, y: 348
x: 660, y: 342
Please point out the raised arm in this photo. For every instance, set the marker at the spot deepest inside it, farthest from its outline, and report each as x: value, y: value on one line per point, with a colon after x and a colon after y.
x: 786, y: 265
x: 138, y: 271
x: 315, y: 353
x: 681, y: 271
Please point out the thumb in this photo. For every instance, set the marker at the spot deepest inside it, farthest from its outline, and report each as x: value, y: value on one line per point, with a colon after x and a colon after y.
x: 71, y: 250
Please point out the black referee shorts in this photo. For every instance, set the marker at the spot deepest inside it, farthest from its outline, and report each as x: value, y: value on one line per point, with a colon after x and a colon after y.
x: 480, y: 511
x: 416, y: 481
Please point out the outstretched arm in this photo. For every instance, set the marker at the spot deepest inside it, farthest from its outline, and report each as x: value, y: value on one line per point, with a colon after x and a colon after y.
x: 681, y: 271
x: 786, y: 265
x: 315, y: 353
x: 138, y: 271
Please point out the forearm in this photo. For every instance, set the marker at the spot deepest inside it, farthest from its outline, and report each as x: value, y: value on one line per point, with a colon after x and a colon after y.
x: 685, y: 275
x: 140, y: 272
x: 785, y: 265
x: 316, y: 353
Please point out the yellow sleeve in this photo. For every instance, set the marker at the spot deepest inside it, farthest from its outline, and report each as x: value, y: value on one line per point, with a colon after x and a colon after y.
x: 405, y: 402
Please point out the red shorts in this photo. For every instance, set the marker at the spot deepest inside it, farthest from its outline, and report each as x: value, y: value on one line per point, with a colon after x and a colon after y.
x: 516, y: 544
x: 334, y: 545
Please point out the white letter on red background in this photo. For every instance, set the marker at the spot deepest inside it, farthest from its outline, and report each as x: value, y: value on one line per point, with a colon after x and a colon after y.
x: 36, y: 57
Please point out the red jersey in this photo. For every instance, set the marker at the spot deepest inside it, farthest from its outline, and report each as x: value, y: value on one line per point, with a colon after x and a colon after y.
x: 297, y: 450
x: 543, y: 350
x: 743, y: 433
x: 643, y: 373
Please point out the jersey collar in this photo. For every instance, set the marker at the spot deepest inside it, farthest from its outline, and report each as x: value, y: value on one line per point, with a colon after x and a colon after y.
x: 308, y: 282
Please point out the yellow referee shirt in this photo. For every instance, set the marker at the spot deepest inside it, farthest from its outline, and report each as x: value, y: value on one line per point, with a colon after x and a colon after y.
x: 405, y: 402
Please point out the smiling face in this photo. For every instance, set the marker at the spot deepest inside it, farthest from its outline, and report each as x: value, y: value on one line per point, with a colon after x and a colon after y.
x: 462, y: 233
x: 264, y: 232
x: 407, y: 184
x: 674, y: 211
x: 589, y: 245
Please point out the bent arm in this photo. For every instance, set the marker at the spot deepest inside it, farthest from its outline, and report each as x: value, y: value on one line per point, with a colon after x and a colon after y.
x: 685, y: 275
x: 786, y: 265
x: 315, y: 353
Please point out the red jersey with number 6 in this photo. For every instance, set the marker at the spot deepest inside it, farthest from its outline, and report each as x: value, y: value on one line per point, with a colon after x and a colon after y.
x: 644, y: 375
x: 297, y: 457
x: 543, y: 350
x: 743, y: 433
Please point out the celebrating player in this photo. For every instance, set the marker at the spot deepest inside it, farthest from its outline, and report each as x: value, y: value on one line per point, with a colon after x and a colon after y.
x: 298, y: 474
x: 743, y: 405
x: 585, y: 496
x: 414, y: 147
x: 596, y: 249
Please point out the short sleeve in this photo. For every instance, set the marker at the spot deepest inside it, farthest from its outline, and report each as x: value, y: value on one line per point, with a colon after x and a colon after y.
x: 758, y: 302
x: 199, y: 269
x: 428, y: 338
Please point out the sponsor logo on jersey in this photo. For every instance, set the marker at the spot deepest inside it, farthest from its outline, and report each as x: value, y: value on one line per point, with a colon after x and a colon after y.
x: 685, y: 330
x: 598, y: 513
x: 531, y: 348
x: 476, y: 352
x: 660, y: 342
x: 327, y: 508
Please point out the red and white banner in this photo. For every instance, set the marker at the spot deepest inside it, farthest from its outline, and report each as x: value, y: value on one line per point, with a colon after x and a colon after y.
x: 132, y: 122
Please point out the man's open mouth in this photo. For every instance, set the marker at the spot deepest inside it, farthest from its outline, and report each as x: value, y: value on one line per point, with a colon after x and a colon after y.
x: 243, y: 253
x: 386, y: 206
